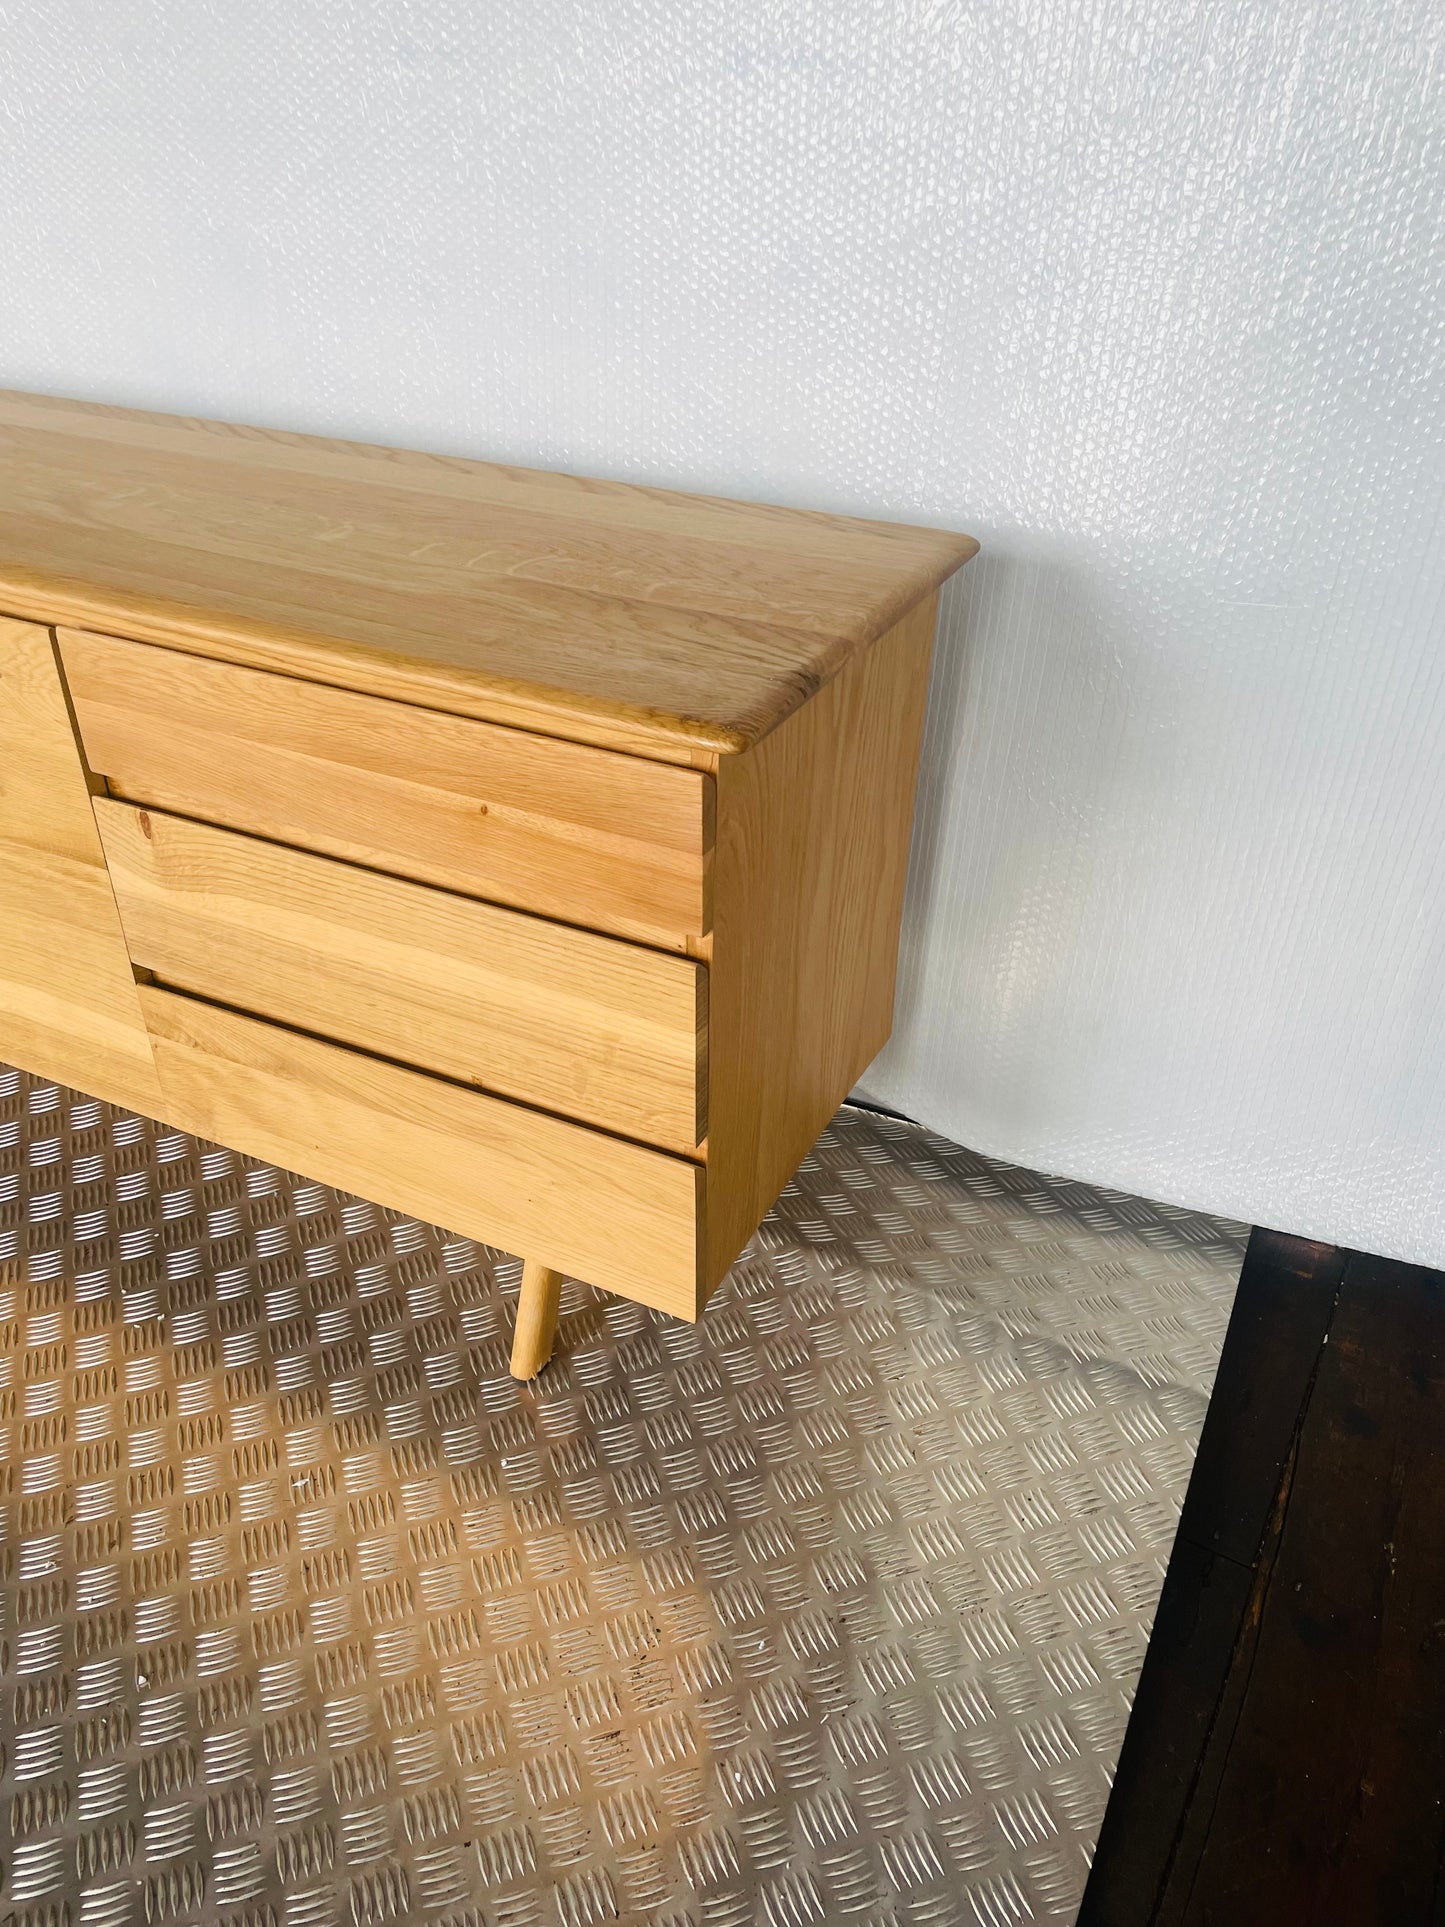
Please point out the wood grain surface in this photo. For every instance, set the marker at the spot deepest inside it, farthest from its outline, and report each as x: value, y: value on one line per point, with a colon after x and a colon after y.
x: 811, y: 859
x: 68, y: 1005
x: 599, y: 1030
x: 590, y: 1206
x: 560, y: 828
x: 592, y: 609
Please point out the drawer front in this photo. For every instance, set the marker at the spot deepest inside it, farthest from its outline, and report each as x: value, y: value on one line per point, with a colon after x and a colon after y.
x: 561, y: 1018
x: 583, y: 834
x: 615, y: 1214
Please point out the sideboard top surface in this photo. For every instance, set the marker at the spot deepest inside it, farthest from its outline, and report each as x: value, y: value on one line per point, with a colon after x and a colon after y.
x: 669, y: 623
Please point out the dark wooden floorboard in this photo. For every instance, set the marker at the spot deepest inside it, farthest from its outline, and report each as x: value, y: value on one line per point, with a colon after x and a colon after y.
x: 1329, y: 1805
x: 1199, y: 1614
x: 1277, y: 1329
x: 1285, y: 1761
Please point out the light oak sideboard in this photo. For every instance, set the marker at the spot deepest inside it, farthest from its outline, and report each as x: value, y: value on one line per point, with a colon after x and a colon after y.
x: 520, y: 851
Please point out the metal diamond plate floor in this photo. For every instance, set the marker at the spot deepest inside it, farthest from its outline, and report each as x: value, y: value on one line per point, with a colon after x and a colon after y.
x: 827, y: 1609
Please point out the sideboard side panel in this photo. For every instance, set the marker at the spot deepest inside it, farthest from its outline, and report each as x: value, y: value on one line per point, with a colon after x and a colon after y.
x: 69, y: 1009
x: 813, y: 830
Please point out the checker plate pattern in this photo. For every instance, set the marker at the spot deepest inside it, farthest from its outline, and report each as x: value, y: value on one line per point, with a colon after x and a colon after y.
x: 827, y: 1609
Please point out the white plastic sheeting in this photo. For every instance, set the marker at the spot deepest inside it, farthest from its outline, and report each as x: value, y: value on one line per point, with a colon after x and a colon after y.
x: 1144, y: 293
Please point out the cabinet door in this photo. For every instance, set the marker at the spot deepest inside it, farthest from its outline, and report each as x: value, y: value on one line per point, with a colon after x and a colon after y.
x: 68, y: 1003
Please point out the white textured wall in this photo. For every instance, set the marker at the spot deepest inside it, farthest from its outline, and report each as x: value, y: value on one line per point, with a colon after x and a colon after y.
x: 1144, y: 293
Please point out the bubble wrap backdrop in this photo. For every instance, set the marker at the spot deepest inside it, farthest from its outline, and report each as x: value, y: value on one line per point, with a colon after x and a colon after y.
x: 1144, y: 293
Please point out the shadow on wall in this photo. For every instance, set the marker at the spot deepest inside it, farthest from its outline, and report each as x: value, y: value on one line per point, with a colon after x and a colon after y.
x: 1050, y: 756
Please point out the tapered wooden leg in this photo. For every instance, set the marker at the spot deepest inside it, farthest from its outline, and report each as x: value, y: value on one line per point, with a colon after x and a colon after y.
x: 536, y: 1319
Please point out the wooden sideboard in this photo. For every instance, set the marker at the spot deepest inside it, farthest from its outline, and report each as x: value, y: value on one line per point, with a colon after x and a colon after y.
x: 521, y: 851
